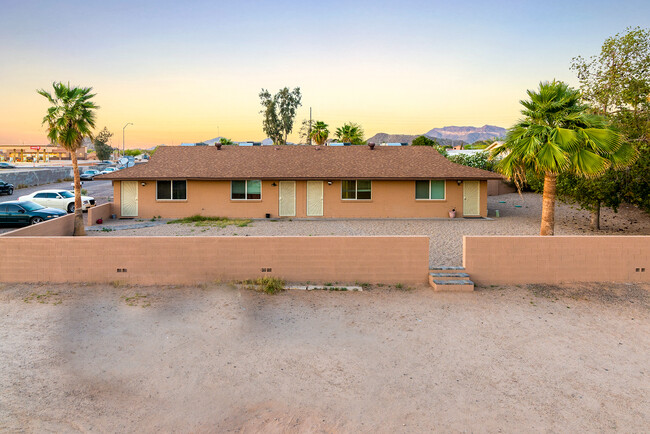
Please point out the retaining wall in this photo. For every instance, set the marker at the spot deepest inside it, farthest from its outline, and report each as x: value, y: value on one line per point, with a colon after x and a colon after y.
x: 37, y: 176
x: 187, y: 260
x: 500, y: 260
x: 60, y: 226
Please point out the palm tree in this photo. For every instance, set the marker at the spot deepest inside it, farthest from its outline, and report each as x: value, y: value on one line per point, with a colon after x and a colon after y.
x: 69, y: 120
x: 319, y: 132
x: 558, y: 135
x: 350, y: 133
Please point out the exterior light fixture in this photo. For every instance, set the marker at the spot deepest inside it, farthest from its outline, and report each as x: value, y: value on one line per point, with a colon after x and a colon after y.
x: 274, y: 184
x: 459, y: 182
x: 329, y: 182
x: 144, y: 183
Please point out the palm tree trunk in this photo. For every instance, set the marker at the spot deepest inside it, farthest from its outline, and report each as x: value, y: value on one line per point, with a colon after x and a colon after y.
x: 594, y: 222
x: 548, y: 205
x: 79, y: 229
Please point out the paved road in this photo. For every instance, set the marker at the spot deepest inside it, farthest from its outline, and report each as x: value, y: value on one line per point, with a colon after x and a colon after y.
x: 102, y: 191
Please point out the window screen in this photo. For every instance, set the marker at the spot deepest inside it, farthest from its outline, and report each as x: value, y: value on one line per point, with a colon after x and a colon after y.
x: 422, y: 189
x: 164, y: 190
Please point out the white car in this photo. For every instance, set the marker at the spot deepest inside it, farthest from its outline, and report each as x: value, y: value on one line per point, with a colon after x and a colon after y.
x: 108, y: 170
x: 60, y: 199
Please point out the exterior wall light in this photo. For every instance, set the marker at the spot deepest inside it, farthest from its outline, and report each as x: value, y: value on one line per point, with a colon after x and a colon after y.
x: 274, y: 184
x: 329, y: 182
x: 143, y: 184
x: 459, y: 182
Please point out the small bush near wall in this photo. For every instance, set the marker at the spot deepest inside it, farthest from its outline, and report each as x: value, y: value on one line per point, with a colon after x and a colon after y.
x: 269, y: 285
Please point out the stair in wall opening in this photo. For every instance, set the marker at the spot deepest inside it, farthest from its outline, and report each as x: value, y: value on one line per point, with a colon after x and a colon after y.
x: 450, y: 279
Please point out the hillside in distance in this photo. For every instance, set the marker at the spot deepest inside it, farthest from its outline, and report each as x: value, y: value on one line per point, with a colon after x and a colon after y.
x: 408, y: 138
x: 468, y: 134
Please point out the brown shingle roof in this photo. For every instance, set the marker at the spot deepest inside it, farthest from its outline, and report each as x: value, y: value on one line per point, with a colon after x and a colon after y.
x: 298, y: 162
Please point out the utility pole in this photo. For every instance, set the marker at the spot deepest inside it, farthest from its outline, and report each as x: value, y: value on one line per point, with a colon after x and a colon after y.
x: 123, y: 129
x: 309, y: 135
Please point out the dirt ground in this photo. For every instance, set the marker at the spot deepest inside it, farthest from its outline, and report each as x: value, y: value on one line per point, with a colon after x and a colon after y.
x: 220, y: 358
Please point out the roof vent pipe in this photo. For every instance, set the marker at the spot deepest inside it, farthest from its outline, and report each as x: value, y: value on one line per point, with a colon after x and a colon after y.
x: 371, y: 146
x: 218, y: 146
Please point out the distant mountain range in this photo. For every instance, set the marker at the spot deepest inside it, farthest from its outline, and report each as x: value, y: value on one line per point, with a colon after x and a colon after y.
x: 451, y: 135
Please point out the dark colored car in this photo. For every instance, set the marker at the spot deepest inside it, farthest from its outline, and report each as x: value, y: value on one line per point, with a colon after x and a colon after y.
x: 25, y: 212
x: 7, y: 166
x: 89, y: 175
x: 6, y: 188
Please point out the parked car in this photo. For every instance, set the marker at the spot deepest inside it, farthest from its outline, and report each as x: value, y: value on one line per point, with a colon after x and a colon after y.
x: 108, y: 170
x: 26, y: 213
x: 89, y: 175
x: 6, y: 188
x: 7, y: 166
x: 60, y: 199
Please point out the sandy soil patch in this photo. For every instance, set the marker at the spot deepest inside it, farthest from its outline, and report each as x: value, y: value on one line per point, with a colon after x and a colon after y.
x: 222, y: 358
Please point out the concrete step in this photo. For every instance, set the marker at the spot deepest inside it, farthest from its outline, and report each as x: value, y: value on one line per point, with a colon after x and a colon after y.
x: 463, y: 285
x: 444, y: 269
x: 447, y: 276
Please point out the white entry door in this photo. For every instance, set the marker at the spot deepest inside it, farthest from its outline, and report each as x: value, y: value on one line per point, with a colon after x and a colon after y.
x: 315, y: 198
x: 287, y: 199
x: 129, y: 198
x: 471, y: 198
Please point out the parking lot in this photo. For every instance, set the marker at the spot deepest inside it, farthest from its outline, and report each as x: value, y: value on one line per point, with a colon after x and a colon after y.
x: 102, y: 191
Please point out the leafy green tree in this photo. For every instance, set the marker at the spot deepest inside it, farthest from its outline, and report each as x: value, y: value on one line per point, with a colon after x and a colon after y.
x: 616, y: 84
x: 279, y: 112
x: 350, y: 133
x: 427, y: 141
x: 480, y: 160
x: 226, y: 142
x: 133, y: 152
x: 69, y: 119
x: 558, y: 135
x: 320, y: 132
x: 424, y: 141
x: 102, y: 148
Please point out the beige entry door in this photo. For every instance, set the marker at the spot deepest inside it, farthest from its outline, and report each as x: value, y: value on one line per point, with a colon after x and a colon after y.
x: 314, y: 198
x: 287, y: 199
x: 471, y: 198
x: 129, y: 198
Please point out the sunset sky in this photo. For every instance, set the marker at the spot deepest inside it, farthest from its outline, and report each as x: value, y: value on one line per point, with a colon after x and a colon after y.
x: 186, y: 71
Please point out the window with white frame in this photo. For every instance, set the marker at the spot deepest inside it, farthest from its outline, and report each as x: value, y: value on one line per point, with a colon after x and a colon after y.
x: 430, y: 190
x: 171, y: 190
x: 360, y: 189
x: 246, y: 190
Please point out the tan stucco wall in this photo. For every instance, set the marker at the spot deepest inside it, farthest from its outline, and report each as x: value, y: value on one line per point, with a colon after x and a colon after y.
x: 60, y: 226
x: 502, y: 260
x: 103, y: 212
x: 186, y: 260
x: 394, y: 199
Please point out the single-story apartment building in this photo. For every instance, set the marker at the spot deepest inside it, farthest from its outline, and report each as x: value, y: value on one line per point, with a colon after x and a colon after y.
x: 300, y: 181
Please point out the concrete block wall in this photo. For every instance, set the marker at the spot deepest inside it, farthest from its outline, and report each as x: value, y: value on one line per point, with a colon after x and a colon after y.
x: 58, y: 227
x: 103, y: 212
x: 187, y: 260
x: 503, y: 260
x: 37, y: 176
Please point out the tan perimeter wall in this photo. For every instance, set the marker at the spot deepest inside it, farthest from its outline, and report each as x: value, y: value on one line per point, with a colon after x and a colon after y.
x: 496, y: 187
x: 103, y: 212
x: 535, y: 259
x: 60, y: 226
x: 389, y: 199
x: 186, y: 260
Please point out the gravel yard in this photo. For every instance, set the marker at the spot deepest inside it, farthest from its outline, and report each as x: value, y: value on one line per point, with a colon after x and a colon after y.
x: 446, y: 235
x: 220, y: 358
